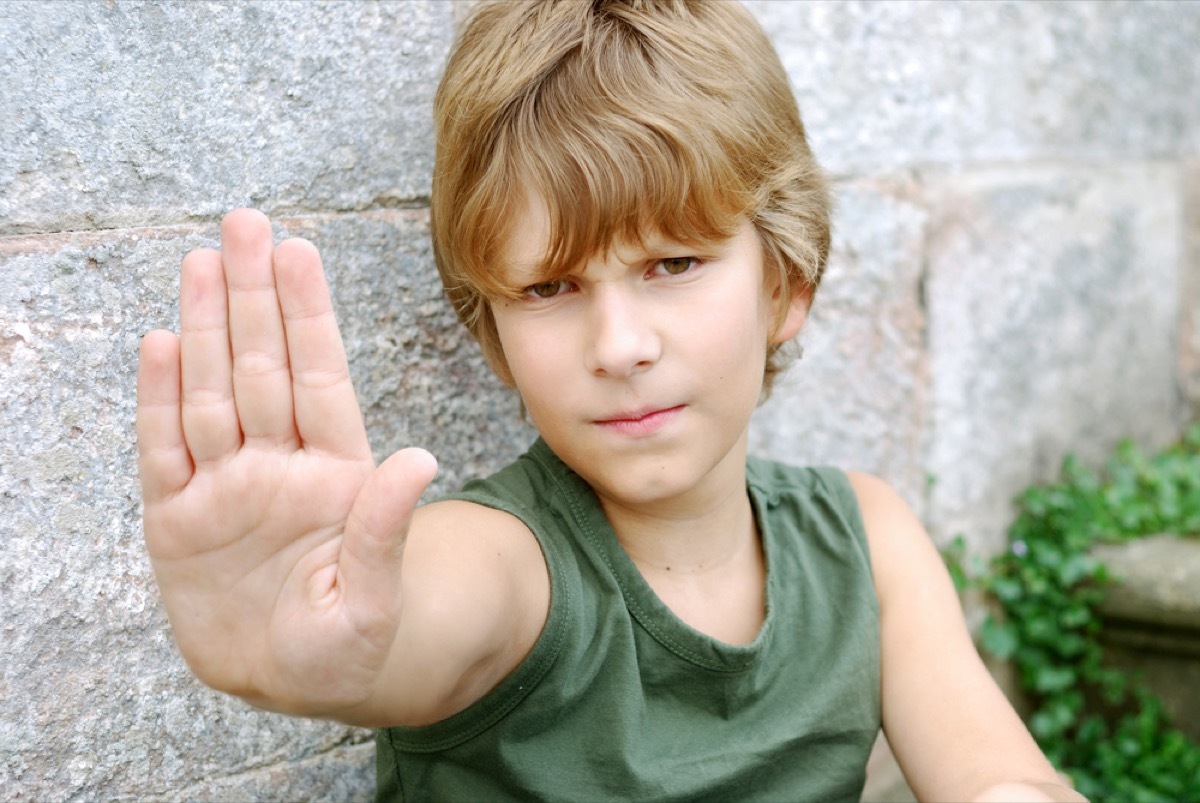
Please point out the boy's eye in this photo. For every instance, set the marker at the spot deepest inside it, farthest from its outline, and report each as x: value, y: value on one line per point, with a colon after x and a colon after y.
x: 546, y: 289
x: 673, y: 266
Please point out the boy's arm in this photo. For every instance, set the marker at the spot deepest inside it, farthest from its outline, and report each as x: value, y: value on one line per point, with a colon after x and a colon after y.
x: 954, y: 733
x: 277, y: 544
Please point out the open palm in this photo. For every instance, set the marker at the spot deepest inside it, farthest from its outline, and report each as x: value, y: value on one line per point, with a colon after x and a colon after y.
x: 275, y: 540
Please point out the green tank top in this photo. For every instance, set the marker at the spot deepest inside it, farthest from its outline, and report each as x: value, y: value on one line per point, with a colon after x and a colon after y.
x: 619, y: 699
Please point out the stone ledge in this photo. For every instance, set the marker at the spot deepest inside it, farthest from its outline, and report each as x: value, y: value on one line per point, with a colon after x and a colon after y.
x: 1151, y: 615
x: 1156, y: 582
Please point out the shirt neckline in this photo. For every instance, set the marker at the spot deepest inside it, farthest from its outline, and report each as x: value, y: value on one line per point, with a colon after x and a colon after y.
x: 643, y: 603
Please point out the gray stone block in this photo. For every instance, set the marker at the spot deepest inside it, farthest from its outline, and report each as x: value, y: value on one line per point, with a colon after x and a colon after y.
x: 134, y: 113
x: 857, y: 398
x: 1189, y: 354
x: 96, y: 700
x: 890, y: 85
x: 1053, y: 328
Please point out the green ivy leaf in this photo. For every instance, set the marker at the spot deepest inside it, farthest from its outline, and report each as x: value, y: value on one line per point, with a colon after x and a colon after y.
x: 1050, y: 679
x: 998, y: 638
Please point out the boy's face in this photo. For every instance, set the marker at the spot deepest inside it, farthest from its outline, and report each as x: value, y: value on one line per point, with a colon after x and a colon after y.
x: 642, y: 368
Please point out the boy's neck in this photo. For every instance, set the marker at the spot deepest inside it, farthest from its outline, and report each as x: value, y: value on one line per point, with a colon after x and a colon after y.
x: 692, y: 532
x: 693, y: 543
x: 704, y: 560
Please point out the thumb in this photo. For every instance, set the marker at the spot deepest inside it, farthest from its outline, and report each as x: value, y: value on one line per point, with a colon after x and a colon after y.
x: 373, y: 543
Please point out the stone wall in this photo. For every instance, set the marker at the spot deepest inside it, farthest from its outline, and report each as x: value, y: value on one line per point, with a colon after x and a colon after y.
x: 1016, y: 276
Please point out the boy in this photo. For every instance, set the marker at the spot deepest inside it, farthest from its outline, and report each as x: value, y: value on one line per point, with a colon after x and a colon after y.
x: 627, y: 216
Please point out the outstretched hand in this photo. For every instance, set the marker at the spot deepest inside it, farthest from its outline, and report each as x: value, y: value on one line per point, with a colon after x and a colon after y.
x: 275, y: 540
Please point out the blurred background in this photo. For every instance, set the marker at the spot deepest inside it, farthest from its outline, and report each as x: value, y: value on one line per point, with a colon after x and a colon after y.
x: 1016, y: 277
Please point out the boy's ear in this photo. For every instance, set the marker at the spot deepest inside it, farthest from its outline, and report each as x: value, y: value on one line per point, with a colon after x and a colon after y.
x: 795, y: 316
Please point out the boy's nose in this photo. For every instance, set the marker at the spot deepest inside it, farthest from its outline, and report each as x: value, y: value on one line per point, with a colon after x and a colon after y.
x: 624, y: 340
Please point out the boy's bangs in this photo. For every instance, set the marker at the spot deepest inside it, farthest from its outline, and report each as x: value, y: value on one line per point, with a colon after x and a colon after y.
x: 608, y: 170
x: 600, y: 193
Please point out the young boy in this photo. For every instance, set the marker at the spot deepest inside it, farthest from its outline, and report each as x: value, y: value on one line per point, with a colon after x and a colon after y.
x: 627, y: 216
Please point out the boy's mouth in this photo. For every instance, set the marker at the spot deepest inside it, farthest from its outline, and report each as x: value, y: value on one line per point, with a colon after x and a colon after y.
x: 640, y: 422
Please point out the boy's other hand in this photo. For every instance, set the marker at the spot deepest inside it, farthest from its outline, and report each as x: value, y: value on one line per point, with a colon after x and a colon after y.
x: 275, y: 540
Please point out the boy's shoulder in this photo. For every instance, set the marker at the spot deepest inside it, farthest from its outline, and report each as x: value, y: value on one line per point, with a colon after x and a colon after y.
x: 774, y: 478
x: 862, y: 491
x: 483, y: 535
x: 475, y: 580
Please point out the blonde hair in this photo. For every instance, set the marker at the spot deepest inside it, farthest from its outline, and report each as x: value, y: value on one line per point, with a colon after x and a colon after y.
x: 626, y: 117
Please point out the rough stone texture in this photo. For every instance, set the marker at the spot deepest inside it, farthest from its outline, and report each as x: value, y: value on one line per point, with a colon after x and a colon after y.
x: 343, y: 775
x: 134, y: 113
x: 1053, y: 328
x: 97, y: 702
x: 887, y: 85
x: 1010, y: 282
x: 857, y: 397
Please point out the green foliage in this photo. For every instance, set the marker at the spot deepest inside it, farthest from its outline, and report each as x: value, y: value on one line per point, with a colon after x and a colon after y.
x: 1099, y: 726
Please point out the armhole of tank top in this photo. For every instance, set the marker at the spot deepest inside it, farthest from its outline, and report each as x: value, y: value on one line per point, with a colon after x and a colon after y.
x: 508, y: 694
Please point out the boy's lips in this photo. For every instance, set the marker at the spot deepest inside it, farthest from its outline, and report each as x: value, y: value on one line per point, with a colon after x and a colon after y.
x: 645, y: 421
